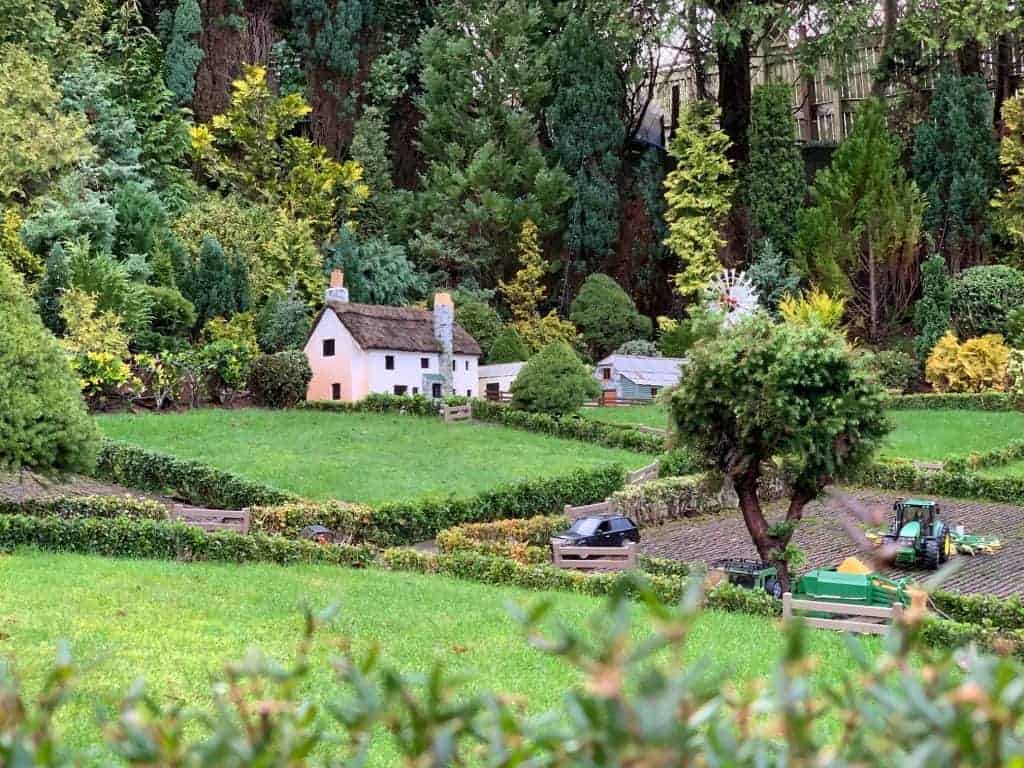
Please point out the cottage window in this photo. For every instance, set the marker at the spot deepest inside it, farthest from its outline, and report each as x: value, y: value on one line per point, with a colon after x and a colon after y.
x: 435, y: 389
x: 467, y: 365
x: 453, y: 365
x: 654, y: 391
x: 400, y: 389
x: 606, y: 373
x: 415, y: 390
x: 335, y: 391
x: 328, y: 347
x: 424, y: 362
x: 469, y: 393
x: 389, y: 362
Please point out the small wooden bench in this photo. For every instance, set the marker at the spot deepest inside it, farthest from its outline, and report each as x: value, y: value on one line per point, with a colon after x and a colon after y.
x: 594, y: 558
x: 456, y: 413
x: 589, y: 510
x: 869, y: 619
x: 213, y: 519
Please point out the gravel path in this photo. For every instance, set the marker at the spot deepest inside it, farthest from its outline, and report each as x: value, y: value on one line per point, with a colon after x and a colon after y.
x: 825, y: 543
x: 18, y: 487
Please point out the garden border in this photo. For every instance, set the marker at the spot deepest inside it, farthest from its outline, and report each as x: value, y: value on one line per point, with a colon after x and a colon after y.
x: 958, y: 401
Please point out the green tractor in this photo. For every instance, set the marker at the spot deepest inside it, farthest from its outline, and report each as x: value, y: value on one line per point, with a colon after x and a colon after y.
x: 920, y: 537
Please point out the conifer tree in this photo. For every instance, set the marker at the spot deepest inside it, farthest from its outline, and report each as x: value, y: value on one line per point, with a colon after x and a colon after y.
x: 698, y: 193
x: 43, y: 423
x: 183, y: 52
x: 217, y: 286
x: 956, y: 166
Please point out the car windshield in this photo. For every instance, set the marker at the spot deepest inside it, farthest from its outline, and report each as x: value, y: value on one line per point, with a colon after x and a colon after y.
x: 586, y: 526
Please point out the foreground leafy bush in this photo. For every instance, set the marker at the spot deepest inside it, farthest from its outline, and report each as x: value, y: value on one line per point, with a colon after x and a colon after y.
x: 637, y: 704
x: 976, y: 365
x: 892, y: 369
x: 280, y: 380
x: 982, y: 298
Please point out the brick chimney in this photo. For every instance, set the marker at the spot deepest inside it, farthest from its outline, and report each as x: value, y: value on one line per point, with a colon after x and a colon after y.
x: 336, y: 293
x: 444, y: 332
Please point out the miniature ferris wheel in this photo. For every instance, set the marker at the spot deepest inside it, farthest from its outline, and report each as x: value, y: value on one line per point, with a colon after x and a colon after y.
x: 733, y: 295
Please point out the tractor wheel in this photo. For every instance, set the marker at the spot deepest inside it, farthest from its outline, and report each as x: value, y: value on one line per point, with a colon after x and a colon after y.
x: 932, y: 553
x: 948, y: 548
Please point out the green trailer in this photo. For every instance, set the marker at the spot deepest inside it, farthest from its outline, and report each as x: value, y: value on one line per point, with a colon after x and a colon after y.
x: 828, y: 585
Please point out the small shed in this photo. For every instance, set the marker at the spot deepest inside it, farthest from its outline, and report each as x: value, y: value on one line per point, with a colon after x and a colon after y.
x: 635, y: 377
x: 496, y: 380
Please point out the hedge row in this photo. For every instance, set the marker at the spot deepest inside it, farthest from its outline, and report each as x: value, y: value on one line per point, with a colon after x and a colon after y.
x: 573, y: 428
x: 350, y: 522
x: 416, y: 405
x: 408, y: 522
x: 994, y: 458
x: 198, y: 483
x: 86, y: 506
x: 901, y: 474
x: 1005, y: 613
x: 161, y: 540
x: 963, y: 401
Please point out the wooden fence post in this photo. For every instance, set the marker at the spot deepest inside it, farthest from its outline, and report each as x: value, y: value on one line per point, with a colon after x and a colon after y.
x: 787, y: 606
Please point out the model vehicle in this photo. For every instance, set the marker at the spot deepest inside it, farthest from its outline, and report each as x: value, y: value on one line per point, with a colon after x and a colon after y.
x: 599, y: 531
x: 919, y: 535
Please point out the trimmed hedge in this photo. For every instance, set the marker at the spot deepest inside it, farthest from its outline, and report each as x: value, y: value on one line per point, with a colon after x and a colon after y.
x: 86, y: 506
x: 1004, y: 613
x: 198, y: 483
x: 160, y: 540
x: 958, y: 401
x: 350, y: 522
x: 572, y: 428
x: 672, y: 498
x: 903, y: 475
x: 415, y: 405
x: 408, y: 522
x: 997, y: 457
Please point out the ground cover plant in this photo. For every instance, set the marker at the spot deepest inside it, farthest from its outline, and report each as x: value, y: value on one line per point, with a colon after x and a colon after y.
x: 363, y: 457
x: 222, y: 611
x: 939, y: 435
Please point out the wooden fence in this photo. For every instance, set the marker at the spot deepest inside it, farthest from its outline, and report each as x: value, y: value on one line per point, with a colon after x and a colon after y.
x: 213, y: 519
x: 595, y: 558
x: 867, y: 619
x: 589, y: 510
x: 642, y: 475
x: 456, y: 413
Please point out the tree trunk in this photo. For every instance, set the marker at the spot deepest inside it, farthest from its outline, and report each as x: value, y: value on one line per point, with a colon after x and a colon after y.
x: 969, y: 58
x: 872, y: 290
x: 767, y: 546
x: 734, y: 96
x: 1003, y: 86
x: 700, y: 75
x: 886, y: 64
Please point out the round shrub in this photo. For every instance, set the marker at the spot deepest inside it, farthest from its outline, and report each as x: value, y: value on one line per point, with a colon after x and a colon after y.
x: 172, y: 314
x: 1015, y: 328
x: 554, y: 381
x: 983, y: 297
x: 606, y: 315
x: 508, y: 347
x: 280, y: 380
x: 892, y: 369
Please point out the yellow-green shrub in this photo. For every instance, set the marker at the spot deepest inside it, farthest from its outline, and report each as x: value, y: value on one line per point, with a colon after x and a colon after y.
x: 975, y: 365
x: 814, y: 308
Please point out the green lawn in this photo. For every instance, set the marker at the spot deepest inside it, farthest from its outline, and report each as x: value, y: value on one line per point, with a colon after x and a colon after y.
x: 653, y: 415
x: 366, y: 457
x: 938, y: 435
x: 1013, y: 469
x: 176, y: 624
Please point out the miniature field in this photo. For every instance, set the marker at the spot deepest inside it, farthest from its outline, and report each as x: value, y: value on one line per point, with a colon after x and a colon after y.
x: 938, y: 435
x: 177, y: 624
x: 654, y: 415
x: 364, y: 457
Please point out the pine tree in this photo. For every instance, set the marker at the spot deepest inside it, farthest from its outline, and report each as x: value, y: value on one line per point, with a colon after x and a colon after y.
x: 774, y: 177
x: 956, y: 166
x: 587, y: 131
x: 43, y: 424
x: 183, y: 52
x: 216, y: 286
x: 699, y: 193
x: 526, y: 291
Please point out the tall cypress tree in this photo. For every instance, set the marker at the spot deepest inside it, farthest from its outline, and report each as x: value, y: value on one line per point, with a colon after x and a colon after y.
x: 217, y: 286
x: 587, y: 130
x: 183, y: 52
x: 956, y: 165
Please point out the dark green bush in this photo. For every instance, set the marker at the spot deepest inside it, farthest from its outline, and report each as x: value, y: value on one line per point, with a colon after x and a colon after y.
x: 197, y: 483
x: 1015, y: 328
x: 508, y: 347
x: 892, y: 369
x: 932, y: 311
x: 574, y: 428
x: 172, y: 314
x: 554, y: 381
x: 679, y: 461
x: 606, y: 315
x: 283, y: 322
x: 280, y: 380
x: 983, y: 297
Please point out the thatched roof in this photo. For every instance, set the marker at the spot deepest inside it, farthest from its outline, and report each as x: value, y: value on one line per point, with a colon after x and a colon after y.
x: 404, y: 329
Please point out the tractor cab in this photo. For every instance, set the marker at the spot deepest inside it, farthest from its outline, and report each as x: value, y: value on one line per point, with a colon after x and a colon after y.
x: 920, y: 536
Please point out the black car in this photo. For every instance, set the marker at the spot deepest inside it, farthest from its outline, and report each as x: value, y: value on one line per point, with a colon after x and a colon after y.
x: 606, y: 531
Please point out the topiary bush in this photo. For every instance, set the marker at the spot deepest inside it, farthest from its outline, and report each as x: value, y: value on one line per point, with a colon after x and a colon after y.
x: 554, y: 381
x: 280, y: 380
x: 976, y: 365
x: 606, y: 315
x: 44, y: 426
x: 933, y: 311
x: 982, y: 297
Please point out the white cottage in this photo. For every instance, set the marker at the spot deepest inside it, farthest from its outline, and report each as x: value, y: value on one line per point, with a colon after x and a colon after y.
x: 496, y: 379
x: 635, y: 377
x: 358, y: 349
